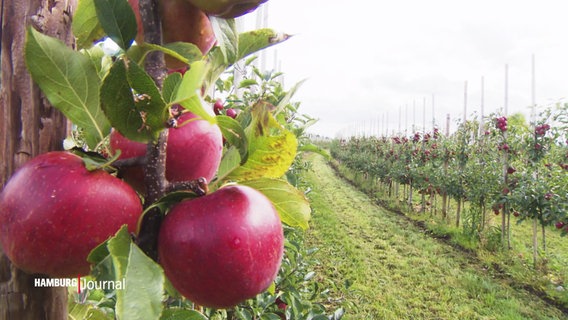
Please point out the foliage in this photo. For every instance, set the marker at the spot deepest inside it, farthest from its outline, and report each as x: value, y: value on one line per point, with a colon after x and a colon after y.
x: 508, y: 167
x: 97, y: 91
x: 497, y: 176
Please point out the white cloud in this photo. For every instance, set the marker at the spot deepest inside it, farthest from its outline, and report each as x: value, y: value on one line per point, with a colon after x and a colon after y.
x: 367, y: 59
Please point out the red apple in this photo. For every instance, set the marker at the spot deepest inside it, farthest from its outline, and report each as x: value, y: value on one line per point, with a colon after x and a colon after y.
x: 53, y: 212
x: 129, y: 149
x: 218, y: 107
x: 193, y: 151
x: 227, y: 8
x: 223, y: 248
x: 231, y: 113
x: 181, y: 21
x: 134, y: 4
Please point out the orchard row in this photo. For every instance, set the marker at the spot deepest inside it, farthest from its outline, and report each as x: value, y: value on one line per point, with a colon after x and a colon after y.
x: 504, y: 167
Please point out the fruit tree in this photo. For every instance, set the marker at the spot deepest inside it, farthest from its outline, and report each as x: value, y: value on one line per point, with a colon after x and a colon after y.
x: 160, y: 187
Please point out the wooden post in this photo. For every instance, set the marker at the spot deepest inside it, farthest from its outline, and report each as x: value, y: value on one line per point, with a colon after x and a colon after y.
x: 29, y: 126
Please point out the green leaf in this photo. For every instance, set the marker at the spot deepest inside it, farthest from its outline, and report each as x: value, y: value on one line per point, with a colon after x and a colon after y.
x: 138, y: 52
x: 81, y: 310
x: 85, y: 24
x: 100, y: 60
x: 98, y: 254
x: 232, y: 47
x: 286, y: 99
x: 234, y: 134
x: 77, y: 311
x: 272, y: 288
x: 184, y: 51
x: 95, y: 161
x: 227, y: 38
x: 217, y: 65
x: 247, y: 83
x: 191, y: 82
x: 271, y: 316
x: 187, y: 93
x: 256, y: 40
x: 271, y: 148
x: 195, y: 106
x: 230, y: 161
x: 70, y: 82
x: 291, y: 204
x: 117, y: 20
x: 313, y: 148
x: 170, y: 86
x: 235, y: 46
x: 170, y: 199
x: 144, y: 280
x: 97, y: 314
x: 132, y: 102
x: 182, y: 314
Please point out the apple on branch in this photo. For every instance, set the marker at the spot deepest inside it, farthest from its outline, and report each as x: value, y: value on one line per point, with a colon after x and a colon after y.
x: 223, y: 248
x: 53, y: 212
x: 194, y: 150
x: 181, y: 22
x: 227, y: 8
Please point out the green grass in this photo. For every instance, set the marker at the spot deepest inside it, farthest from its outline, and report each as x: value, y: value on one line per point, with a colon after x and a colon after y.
x: 396, y: 270
x: 551, y: 271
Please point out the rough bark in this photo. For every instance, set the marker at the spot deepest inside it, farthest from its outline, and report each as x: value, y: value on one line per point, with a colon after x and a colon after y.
x: 155, y: 169
x: 28, y: 126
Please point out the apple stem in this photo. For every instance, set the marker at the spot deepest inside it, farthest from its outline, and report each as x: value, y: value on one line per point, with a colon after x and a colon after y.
x: 155, y: 168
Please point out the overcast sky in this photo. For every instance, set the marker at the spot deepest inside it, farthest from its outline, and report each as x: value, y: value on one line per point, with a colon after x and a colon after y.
x: 369, y: 61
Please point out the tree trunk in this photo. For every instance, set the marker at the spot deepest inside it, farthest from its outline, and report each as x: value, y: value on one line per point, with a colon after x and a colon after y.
x: 458, y: 212
x: 535, y: 241
x: 29, y: 126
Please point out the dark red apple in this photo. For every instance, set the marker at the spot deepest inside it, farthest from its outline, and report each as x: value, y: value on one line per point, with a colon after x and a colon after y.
x: 193, y: 151
x: 129, y: 149
x: 227, y: 8
x: 218, y: 107
x: 53, y: 212
x: 181, y: 21
x: 232, y: 113
x: 223, y: 248
x: 134, y: 4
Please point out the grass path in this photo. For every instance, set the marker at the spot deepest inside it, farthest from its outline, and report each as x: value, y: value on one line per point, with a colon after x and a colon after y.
x: 397, y: 271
